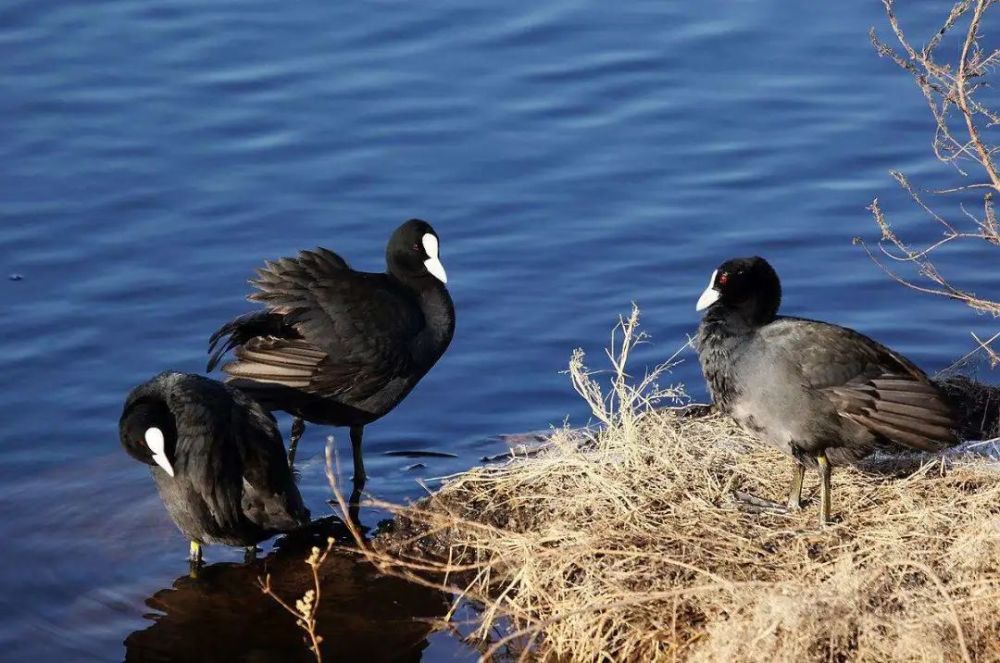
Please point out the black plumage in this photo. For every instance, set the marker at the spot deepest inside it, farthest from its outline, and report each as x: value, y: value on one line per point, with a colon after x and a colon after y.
x: 217, y: 459
x: 337, y: 346
x: 826, y: 395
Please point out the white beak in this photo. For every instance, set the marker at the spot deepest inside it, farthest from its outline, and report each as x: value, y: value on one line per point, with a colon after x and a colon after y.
x: 156, y: 444
x: 710, y: 296
x: 433, y: 263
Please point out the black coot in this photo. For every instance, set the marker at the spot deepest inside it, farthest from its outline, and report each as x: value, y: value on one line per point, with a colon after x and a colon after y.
x: 337, y: 346
x: 823, y: 394
x: 217, y: 459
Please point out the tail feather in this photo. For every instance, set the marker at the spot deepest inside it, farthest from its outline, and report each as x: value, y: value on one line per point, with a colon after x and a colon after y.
x: 244, y: 328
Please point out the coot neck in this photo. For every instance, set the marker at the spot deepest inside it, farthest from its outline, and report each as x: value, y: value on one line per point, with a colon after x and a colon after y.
x: 744, y: 317
x: 439, y: 313
x: 724, y: 321
x: 724, y: 335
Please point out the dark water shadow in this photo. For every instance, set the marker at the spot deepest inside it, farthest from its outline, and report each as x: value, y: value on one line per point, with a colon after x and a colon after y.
x: 222, y: 615
x: 418, y: 453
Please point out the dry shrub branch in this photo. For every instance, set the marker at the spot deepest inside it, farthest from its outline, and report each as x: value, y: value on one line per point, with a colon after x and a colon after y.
x: 621, y: 543
x: 962, y: 139
x: 305, y: 608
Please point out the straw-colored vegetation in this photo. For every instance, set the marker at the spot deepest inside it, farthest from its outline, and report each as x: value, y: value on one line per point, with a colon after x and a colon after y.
x: 624, y: 543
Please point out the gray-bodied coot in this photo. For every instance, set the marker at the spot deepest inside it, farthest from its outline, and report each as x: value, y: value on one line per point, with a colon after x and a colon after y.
x: 337, y: 346
x: 823, y: 394
x: 217, y: 459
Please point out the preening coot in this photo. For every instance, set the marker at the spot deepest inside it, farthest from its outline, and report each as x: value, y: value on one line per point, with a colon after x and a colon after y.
x: 217, y: 459
x: 825, y: 395
x: 337, y: 346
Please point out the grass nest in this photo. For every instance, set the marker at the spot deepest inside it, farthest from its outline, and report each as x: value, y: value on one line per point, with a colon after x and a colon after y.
x: 622, y: 542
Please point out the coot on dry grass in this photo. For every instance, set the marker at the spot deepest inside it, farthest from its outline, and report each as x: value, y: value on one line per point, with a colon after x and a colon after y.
x: 823, y: 394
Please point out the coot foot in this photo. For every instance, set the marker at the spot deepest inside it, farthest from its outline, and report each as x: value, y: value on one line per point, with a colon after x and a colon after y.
x: 754, y: 504
x: 695, y: 410
x: 298, y: 428
x: 354, y: 504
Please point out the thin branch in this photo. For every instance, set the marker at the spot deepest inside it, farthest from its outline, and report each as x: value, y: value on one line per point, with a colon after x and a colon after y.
x: 306, y: 607
x: 963, y: 103
x: 946, y: 87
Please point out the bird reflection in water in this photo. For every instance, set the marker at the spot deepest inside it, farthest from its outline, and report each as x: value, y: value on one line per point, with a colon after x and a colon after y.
x: 221, y: 614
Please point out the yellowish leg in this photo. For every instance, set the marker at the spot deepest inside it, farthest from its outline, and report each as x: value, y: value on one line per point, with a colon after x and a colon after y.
x: 795, y: 490
x: 195, y: 555
x: 824, y: 489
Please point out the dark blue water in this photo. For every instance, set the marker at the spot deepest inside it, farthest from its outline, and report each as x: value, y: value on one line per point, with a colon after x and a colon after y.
x: 572, y: 156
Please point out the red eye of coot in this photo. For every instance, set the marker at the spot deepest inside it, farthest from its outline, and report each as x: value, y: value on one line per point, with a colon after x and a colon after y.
x: 723, y: 279
x: 416, y: 247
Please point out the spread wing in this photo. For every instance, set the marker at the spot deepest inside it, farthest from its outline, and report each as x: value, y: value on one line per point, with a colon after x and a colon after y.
x: 868, y: 383
x: 327, y: 329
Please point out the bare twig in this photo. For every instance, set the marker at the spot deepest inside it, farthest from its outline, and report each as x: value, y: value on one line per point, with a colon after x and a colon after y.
x: 947, y: 87
x: 305, y: 608
x: 965, y: 71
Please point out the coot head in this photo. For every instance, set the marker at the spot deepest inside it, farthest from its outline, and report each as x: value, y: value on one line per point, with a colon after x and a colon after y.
x: 414, y: 252
x: 749, y: 286
x: 149, y: 433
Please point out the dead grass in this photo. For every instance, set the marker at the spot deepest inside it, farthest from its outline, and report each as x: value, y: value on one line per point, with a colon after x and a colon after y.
x: 622, y: 544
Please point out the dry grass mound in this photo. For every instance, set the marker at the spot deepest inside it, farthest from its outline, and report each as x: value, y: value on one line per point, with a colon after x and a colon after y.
x: 978, y: 406
x: 624, y: 544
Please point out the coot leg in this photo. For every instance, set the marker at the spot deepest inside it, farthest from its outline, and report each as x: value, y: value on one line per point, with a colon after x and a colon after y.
x: 824, y: 489
x: 195, y: 554
x: 250, y: 555
x: 359, y: 464
x: 795, y: 491
x: 298, y: 428
x: 354, y: 504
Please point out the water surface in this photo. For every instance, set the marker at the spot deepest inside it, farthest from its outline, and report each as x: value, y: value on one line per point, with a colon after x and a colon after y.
x: 572, y: 156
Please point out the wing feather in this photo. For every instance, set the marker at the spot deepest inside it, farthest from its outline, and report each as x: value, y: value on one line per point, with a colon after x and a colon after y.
x: 270, y: 497
x: 870, y: 384
x: 342, y: 332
